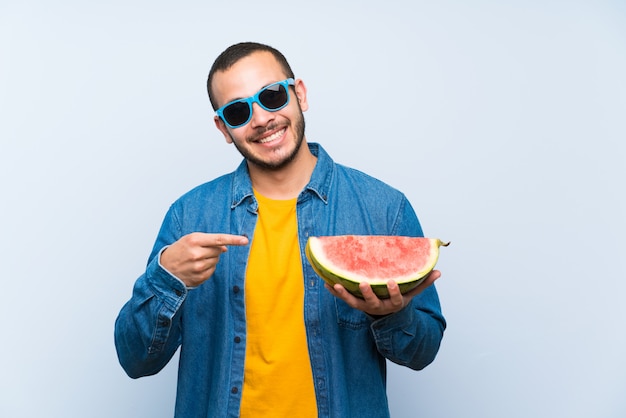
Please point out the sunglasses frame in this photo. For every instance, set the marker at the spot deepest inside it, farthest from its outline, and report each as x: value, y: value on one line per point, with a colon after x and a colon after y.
x: 255, y: 99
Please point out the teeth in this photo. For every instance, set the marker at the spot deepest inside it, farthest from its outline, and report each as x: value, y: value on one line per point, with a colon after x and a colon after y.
x: 272, y: 137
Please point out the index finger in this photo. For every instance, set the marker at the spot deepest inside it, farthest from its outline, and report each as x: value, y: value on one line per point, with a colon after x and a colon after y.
x: 220, y: 240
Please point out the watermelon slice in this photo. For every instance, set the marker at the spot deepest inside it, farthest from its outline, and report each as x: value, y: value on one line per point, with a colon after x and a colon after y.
x: 352, y: 259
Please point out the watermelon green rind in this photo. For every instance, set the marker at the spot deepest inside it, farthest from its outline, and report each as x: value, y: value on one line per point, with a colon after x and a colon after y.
x: 351, y: 280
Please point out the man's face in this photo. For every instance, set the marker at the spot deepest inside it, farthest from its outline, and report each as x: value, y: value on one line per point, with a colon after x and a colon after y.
x: 270, y: 140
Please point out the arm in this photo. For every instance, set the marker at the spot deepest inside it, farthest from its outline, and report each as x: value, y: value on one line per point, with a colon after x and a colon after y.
x: 407, y: 328
x: 148, y: 328
x: 411, y: 337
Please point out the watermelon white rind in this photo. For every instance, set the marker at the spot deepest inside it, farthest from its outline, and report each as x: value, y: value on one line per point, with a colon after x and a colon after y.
x: 352, y: 259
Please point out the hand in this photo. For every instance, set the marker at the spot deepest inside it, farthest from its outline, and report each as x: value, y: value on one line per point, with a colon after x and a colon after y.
x: 193, y: 257
x: 372, y: 305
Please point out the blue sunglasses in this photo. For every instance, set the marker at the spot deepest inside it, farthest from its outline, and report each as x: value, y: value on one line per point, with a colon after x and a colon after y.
x: 271, y: 98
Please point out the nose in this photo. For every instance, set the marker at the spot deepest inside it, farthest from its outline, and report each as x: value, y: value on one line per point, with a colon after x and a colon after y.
x: 260, y: 116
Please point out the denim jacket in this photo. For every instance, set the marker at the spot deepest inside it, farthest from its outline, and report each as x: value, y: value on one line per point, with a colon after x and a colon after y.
x: 348, y: 348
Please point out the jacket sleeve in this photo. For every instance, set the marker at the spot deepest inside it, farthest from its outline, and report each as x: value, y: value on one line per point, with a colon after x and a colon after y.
x: 412, y: 336
x: 147, y: 329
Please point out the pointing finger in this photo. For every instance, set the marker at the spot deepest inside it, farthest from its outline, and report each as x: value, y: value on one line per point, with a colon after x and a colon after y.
x: 219, y: 240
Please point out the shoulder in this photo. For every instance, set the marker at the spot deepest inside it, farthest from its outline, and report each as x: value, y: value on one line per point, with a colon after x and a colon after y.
x: 330, y: 174
x: 215, y: 197
x: 223, y: 188
x: 219, y: 186
x: 358, y: 179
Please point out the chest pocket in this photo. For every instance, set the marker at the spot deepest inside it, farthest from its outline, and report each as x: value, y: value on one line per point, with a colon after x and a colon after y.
x: 350, y: 318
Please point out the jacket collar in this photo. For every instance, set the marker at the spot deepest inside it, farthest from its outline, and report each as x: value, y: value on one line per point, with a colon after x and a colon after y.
x: 319, y: 184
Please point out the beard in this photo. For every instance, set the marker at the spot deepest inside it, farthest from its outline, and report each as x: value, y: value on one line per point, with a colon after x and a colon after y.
x: 298, y: 126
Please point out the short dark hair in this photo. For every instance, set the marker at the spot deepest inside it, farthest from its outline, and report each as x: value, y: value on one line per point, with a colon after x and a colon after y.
x: 234, y: 53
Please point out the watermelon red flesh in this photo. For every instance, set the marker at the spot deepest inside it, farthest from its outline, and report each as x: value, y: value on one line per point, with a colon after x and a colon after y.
x: 377, y: 258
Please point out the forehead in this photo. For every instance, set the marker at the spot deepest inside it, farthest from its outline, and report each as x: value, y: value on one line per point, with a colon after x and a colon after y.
x: 246, y: 77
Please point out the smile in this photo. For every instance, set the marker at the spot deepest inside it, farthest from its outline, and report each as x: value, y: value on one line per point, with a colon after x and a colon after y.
x: 272, y: 137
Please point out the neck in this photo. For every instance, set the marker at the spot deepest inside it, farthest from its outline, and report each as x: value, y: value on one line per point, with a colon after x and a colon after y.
x: 288, y: 182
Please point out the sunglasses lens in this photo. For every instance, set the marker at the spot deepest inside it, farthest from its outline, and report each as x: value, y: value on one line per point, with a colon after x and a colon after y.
x: 237, y: 113
x: 274, y: 97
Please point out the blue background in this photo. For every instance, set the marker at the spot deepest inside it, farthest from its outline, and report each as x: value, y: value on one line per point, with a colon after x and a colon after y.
x: 503, y: 122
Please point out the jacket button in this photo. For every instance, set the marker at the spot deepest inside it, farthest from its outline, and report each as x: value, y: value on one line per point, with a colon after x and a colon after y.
x: 234, y: 390
x: 236, y: 289
x: 237, y: 340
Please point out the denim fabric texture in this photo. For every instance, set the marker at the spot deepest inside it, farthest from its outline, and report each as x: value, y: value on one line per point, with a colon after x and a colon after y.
x: 348, y: 348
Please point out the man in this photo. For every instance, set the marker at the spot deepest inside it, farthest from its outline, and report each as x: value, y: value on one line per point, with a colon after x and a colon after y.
x: 228, y: 282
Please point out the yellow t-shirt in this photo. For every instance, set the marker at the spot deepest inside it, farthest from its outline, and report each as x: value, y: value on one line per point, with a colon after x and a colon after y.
x: 278, y: 380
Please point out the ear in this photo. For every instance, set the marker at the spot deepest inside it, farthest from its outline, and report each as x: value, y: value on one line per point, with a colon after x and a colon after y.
x: 301, y: 94
x: 221, y: 126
